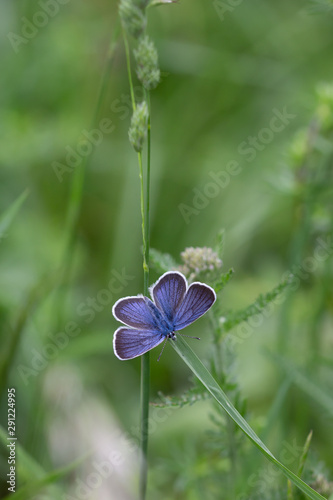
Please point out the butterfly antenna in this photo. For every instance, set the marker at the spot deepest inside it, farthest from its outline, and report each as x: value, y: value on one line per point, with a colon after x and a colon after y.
x: 189, y: 337
x: 162, y: 349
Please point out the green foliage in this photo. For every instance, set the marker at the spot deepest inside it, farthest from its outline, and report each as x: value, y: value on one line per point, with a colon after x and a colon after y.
x: 8, y: 216
x: 189, y: 397
x: 305, y: 382
x: 162, y: 262
x: 220, y: 243
x: 224, y: 79
x: 305, y: 454
x: 223, y: 280
x: 262, y: 302
x: 201, y: 372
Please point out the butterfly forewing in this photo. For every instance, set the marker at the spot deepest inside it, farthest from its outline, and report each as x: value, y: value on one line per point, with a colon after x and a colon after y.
x: 137, y: 312
x: 129, y: 343
x: 168, y: 293
x: 198, y: 299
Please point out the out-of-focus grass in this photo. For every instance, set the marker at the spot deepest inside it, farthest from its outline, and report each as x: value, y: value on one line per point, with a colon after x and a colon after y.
x: 221, y: 82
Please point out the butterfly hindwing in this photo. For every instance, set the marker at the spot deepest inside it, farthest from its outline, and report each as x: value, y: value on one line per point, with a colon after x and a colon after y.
x: 198, y: 299
x: 129, y: 343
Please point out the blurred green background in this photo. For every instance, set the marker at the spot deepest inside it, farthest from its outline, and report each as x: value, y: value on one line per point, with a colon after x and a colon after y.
x: 224, y: 77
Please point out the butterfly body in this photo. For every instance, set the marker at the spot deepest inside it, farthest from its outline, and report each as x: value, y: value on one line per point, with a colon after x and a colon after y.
x: 163, y: 324
x: 174, y: 306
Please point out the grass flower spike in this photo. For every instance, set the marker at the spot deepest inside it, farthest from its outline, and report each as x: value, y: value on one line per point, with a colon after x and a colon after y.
x: 146, y: 58
x: 133, y: 18
x: 138, y: 129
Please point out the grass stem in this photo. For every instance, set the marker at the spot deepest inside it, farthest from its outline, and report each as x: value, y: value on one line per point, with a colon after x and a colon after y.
x: 145, y: 359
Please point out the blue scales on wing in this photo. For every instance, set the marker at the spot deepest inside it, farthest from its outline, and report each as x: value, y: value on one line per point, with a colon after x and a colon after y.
x: 168, y: 294
x: 137, y: 312
x: 129, y: 343
x: 198, y: 299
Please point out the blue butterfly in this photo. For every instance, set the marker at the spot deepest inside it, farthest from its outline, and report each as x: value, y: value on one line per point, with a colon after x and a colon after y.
x: 174, y: 306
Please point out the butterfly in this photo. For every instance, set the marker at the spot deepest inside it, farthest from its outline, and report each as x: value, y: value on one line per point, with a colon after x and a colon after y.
x: 173, y: 306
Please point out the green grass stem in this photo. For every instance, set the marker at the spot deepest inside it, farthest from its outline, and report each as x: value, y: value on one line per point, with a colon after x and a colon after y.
x: 145, y: 359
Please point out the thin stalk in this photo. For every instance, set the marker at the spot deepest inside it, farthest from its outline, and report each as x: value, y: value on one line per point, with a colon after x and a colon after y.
x: 232, y: 457
x: 145, y: 359
x: 129, y: 72
x: 143, y: 225
x: 147, y: 94
x: 301, y: 233
x: 144, y: 243
x: 145, y: 387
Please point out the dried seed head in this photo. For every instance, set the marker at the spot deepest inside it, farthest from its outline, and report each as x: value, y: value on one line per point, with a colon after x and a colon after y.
x: 133, y: 17
x: 199, y: 260
x: 138, y: 129
x: 147, y: 63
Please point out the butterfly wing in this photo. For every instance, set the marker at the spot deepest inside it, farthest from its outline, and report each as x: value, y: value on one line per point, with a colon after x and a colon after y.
x: 168, y: 293
x: 129, y: 343
x: 198, y: 299
x: 137, y: 312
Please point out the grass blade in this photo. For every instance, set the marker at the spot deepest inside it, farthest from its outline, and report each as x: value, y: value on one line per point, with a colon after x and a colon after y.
x: 37, y: 294
x: 302, y: 380
x: 28, y: 466
x: 8, y: 216
x: 33, y: 474
x: 201, y: 372
x: 34, y: 487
